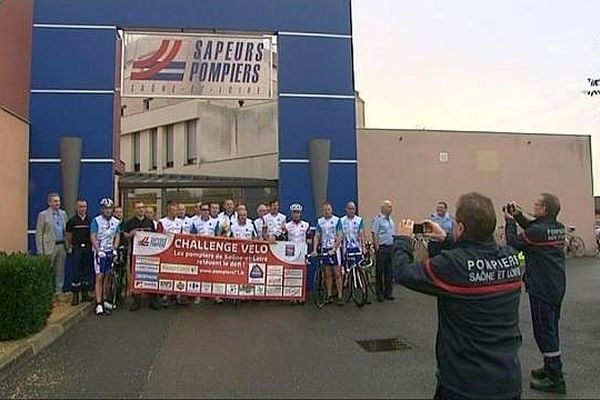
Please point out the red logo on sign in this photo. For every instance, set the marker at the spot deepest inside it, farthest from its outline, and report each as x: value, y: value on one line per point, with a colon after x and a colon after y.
x: 144, y: 242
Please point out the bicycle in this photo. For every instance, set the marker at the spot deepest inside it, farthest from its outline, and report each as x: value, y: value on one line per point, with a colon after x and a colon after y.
x: 356, y: 281
x: 117, y: 278
x: 319, y: 288
x: 574, y: 245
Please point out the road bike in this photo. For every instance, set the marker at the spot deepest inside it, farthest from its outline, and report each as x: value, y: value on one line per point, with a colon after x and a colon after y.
x: 319, y: 289
x: 117, y: 278
x: 356, y: 279
x: 574, y: 245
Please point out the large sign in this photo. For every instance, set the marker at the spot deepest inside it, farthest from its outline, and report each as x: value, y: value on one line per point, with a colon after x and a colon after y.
x: 201, y: 266
x: 197, y: 66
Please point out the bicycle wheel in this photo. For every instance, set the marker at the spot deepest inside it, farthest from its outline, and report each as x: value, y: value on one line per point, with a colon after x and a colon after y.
x: 577, y: 246
x: 358, y: 286
x: 112, y: 288
x: 319, y: 290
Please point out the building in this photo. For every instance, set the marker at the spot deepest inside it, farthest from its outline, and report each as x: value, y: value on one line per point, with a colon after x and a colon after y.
x: 75, y: 92
x: 15, y: 53
x: 418, y: 168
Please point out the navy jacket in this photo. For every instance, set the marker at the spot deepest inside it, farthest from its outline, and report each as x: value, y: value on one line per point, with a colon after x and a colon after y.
x: 542, y: 242
x: 478, y: 286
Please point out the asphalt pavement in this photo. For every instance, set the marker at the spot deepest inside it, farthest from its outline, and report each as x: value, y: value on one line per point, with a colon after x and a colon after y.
x: 267, y: 350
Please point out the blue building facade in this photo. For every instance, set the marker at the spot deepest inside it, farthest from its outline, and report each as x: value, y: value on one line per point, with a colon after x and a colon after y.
x: 74, y: 87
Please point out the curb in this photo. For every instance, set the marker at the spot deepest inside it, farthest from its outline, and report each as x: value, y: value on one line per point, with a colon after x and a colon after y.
x: 32, y: 346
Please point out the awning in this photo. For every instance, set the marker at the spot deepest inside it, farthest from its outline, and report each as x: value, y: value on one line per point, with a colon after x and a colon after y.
x: 152, y: 181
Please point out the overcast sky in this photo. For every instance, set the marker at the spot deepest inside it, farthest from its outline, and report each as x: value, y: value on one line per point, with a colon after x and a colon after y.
x: 499, y: 65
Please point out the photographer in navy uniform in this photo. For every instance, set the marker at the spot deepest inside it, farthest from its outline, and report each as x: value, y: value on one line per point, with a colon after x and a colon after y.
x: 477, y: 284
x: 542, y: 242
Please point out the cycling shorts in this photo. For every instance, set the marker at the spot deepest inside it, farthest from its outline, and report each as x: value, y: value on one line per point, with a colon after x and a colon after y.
x: 353, y: 250
x: 333, y: 260
x: 103, y: 265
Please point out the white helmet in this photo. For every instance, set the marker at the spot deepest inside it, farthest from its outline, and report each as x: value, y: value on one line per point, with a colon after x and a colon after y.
x: 296, y: 207
x: 106, y: 203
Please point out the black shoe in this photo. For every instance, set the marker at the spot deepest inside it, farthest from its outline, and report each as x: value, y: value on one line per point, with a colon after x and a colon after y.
x: 85, y: 297
x: 329, y: 300
x: 135, y: 306
x: 340, y: 302
x: 75, y: 299
x: 154, y: 303
x: 550, y: 385
x: 539, y: 373
x: 380, y: 299
x: 390, y: 298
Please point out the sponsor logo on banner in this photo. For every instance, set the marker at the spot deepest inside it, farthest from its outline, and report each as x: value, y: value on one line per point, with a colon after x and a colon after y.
x: 246, y: 290
x: 291, y: 253
x: 292, y: 292
x: 197, y: 65
x: 180, y: 286
x: 145, y: 285
x: 274, y: 291
x: 149, y: 268
x: 150, y: 243
x: 293, y: 282
x: 290, y: 250
x: 256, y: 273
x: 274, y: 280
x: 194, y: 287
x: 259, y: 290
x: 294, y: 273
x: 166, y: 284
x: 142, y: 276
x: 275, y: 270
x: 232, y: 290
x: 179, y: 269
x: 218, y: 288
x: 147, y: 260
x: 206, y: 288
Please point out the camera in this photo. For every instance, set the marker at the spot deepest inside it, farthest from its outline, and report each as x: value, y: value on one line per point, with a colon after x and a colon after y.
x: 420, y: 229
x: 510, y: 208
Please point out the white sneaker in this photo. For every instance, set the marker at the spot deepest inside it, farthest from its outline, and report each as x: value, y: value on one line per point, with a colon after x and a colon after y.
x: 109, y: 306
x: 99, y: 310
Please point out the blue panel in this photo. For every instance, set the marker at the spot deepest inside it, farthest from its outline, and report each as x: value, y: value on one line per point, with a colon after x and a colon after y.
x: 301, y: 119
x: 89, y: 116
x: 73, y: 59
x: 315, y: 65
x: 295, y: 186
x: 96, y: 181
x: 325, y: 16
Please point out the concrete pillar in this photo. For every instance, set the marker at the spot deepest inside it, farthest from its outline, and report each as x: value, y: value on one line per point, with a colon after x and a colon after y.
x: 145, y: 151
x: 161, y: 149
x: 70, y: 168
x: 179, y: 150
x: 319, y: 156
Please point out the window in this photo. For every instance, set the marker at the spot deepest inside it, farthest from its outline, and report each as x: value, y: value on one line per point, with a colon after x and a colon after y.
x: 190, y: 142
x: 153, y: 149
x: 146, y: 103
x: 136, y: 152
x: 169, y: 139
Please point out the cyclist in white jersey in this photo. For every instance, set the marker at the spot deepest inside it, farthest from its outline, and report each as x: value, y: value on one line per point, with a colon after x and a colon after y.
x: 353, y: 231
x: 104, y: 235
x: 243, y: 228
x: 170, y: 223
x: 228, y: 217
x: 203, y: 224
x: 297, y: 229
x: 259, y: 222
x: 275, y: 221
x: 186, y: 222
x: 329, y: 237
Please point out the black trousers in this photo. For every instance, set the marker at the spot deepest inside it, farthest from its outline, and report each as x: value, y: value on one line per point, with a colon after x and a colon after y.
x: 545, y: 318
x: 383, y: 271
x: 82, y: 265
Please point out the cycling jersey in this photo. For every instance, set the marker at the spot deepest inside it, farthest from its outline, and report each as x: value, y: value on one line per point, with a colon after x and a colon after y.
x: 245, y: 231
x: 226, y: 221
x: 202, y: 227
x: 261, y: 227
x: 167, y: 225
x: 297, y: 231
x: 328, y: 229
x: 351, y: 230
x: 186, y: 224
x: 105, y: 231
x: 275, y: 224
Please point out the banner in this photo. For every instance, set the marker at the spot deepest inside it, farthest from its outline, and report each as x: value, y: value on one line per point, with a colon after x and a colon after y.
x: 197, y: 66
x: 201, y: 266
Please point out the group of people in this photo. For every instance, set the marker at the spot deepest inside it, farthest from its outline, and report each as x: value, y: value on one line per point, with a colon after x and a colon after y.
x: 476, y: 280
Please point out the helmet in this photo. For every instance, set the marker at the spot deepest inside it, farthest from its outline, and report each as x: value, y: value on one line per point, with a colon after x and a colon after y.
x: 296, y: 207
x: 106, y: 203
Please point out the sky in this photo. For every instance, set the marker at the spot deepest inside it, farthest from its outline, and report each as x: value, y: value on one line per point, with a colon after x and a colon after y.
x: 494, y: 65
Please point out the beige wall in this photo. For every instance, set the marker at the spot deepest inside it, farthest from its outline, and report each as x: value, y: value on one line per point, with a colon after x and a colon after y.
x: 14, y: 150
x: 407, y: 167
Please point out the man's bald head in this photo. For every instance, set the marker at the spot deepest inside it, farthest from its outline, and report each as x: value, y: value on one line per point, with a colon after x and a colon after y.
x: 386, y: 207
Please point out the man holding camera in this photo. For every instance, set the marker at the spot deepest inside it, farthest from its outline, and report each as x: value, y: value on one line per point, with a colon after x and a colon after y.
x: 542, y: 242
x: 478, y: 286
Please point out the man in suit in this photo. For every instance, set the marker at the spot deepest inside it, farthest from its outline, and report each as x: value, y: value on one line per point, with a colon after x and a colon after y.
x: 50, y: 238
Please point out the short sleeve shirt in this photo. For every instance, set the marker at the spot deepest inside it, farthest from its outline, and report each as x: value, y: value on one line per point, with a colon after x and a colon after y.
x: 202, y: 227
x: 245, y: 231
x: 351, y: 230
x: 171, y: 225
x: 105, y: 231
x: 297, y: 231
x: 79, y: 228
x: 275, y: 224
x: 328, y: 229
x: 384, y: 228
